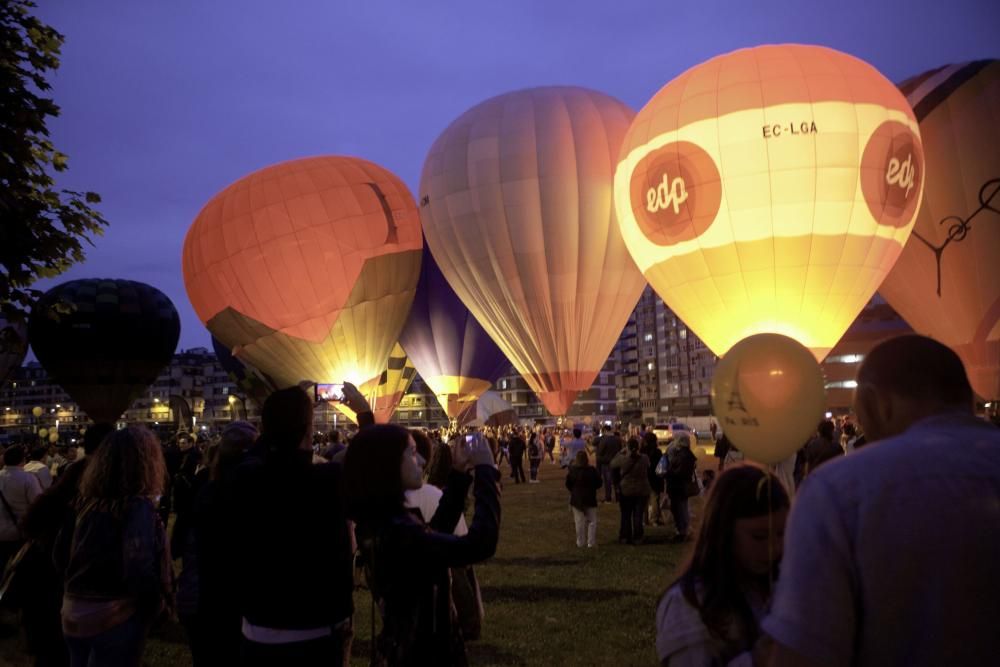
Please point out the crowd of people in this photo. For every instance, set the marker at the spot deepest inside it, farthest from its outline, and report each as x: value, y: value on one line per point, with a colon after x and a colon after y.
x: 856, y: 550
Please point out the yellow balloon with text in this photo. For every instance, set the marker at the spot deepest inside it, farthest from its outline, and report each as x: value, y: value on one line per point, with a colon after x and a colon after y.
x: 770, y: 190
x: 768, y: 396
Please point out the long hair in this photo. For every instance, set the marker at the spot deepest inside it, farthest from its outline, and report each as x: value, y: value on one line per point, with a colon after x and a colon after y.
x: 128, y: 464
x: 740, y: 492
x: 374, y: 487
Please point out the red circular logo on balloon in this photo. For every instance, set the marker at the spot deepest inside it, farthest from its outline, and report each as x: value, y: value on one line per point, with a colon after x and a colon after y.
x: 675, y: 193
x: 892, y: 171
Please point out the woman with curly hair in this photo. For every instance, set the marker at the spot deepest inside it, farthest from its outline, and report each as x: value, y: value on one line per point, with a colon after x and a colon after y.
x: 117, y: 573
x: 711, y: 614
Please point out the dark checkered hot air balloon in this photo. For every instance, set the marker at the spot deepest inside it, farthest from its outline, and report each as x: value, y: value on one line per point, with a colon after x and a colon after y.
x: 104, y: 341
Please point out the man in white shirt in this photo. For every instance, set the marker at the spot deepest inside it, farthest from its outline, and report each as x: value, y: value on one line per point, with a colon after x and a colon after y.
x: 890, y: 553
x: 18, y: 489
x: 36, y: 466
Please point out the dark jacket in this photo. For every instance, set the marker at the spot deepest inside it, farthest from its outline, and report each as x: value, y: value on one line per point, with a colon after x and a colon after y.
x: 583, y: 482
x: 607, y: 448
x: 653, y: 453
x: 682, y: 466
x: 118, y: 554
x: 408, y: 563
x: 818, y: 451
x: 284, y: 512
x: 634, y: 470
x: 517, y: 448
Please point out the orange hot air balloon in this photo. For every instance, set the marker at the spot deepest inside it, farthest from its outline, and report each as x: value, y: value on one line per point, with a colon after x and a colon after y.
x: 517, y: 210
x: 306, y: 269
x: 770, y: 190
x: 946, y: 283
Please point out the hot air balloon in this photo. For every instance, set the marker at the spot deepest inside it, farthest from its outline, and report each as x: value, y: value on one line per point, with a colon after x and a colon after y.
x: 306, y: 269
x: 946, y: 283
x: 248, y: 380
x: 770, y: 190
x: 385, y: 392
x: 488, y: 410
x: 517, y: 210
x: 13, y: 345
x: 104, y: 341
x: 453, y: 354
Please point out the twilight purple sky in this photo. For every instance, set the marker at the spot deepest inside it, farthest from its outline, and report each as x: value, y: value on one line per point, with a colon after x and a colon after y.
x: 165, y: 103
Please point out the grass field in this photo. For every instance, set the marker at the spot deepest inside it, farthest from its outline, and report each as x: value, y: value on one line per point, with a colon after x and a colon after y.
x: 547, y: 602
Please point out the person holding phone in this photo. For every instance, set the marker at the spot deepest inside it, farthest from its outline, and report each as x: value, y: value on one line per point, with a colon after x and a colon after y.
x: 407, y: 561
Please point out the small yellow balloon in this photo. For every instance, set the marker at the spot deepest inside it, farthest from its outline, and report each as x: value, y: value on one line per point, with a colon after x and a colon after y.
x: 768, y: 396
x: 53, y: 437
x: 37, y: 411
x: 42, y: 432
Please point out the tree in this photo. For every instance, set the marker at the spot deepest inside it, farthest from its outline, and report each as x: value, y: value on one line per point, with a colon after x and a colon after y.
x: 42, y: 228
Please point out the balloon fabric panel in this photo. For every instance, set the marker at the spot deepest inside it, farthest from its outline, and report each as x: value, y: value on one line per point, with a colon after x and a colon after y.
x: 517, y: 211
x: 946, y: 283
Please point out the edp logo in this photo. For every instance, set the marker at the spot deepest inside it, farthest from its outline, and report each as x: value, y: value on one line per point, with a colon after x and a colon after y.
x: 667, y: 193
x: 675, y: 193
x: 902, y: 174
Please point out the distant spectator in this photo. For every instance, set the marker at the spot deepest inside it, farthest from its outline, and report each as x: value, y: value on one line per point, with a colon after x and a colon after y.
x: 36, y: 465
x: 18, y: 490
x: 634, y: 469
x: 582, y: 481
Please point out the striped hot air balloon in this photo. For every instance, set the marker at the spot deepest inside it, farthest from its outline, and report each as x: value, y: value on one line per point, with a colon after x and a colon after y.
x: 517, y: 210
x: 387, y: 390
x: 306, y: 269
x: 770, y: 190
x: 454, y: 355
x: 946, y: 283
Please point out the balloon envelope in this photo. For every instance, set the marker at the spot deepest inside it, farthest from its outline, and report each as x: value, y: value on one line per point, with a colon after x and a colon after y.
x: 385, y: 392
x: 306, y: 269
x: 946, y: 283
x: 454, y: 355
x: 770, y: 190
x: 488, y: 410
x: 104, y: 341
x: 767, y: 393
x: 13, y: 345
x: 517, y: 210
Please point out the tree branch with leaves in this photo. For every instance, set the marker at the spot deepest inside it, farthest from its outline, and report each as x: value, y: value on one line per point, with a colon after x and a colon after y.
x: 42, y: 228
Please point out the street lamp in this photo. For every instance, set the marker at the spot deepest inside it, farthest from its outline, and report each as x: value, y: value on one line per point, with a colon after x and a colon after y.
x: 242, y: 411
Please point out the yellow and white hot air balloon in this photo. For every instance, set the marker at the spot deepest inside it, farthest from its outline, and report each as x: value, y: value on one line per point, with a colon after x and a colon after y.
x: 770, y: 190
x: 516, y: 205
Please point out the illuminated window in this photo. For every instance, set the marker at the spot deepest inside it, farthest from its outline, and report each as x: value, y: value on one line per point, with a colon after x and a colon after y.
x: 649, y: 366
x: 845, y: 359
x: 846, y: 384
x: 648, y: 337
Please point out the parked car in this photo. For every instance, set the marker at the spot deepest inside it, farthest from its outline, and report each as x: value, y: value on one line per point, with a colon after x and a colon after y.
x: 665, y: 433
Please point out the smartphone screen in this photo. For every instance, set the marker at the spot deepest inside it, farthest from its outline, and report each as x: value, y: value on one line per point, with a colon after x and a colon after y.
x: 329, y: 392
x: 470, y: 438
